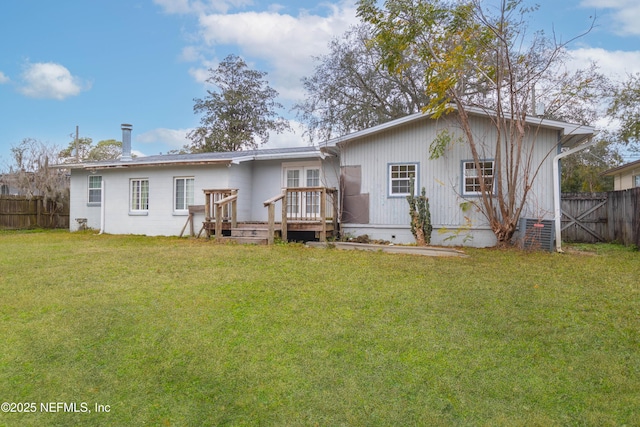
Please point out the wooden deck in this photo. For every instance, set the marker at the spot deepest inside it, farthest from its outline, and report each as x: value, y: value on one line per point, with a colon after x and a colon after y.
x: 313, y: 209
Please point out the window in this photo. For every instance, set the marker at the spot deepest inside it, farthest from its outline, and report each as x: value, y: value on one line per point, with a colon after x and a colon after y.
x: 95, y: 189
x: 636, y: 181
x: 183, y: 195
x: 400, y: 179
x: 139, y: 195
x: 473, y: 176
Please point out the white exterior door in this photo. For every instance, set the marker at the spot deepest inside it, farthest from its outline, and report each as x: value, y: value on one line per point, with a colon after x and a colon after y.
x: 302, y: 204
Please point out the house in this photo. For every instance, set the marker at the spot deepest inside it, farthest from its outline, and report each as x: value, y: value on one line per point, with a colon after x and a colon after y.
x: 7, y: 185
x: 376, y: 165
x: 357, y: 183
x: 153, y: 195
x: 625, y: 176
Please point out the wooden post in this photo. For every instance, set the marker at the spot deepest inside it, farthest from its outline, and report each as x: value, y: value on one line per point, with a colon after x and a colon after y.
x: 38, y: 202
x: 189, y: 220
x: 323, y: 215
x: 234, y: 213
x: 272, y: 222
x: 284, y: 215
x: 207, y: 212
x: 218, y: 209
x: 334, y: 202
x: 207, y: 207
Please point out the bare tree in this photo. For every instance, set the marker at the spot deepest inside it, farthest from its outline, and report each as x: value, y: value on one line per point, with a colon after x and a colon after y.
x: 31, y: 172
x: 349, y: 91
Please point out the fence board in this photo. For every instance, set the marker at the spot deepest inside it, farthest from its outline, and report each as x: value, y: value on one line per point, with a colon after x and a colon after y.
x: 612, y: 217
x: 623, y: 216
x: 20, y: 212
x: 584, y: 217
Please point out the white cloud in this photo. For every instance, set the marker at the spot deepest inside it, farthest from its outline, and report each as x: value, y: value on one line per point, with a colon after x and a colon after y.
x: 199, y: 74
x: 625, y: 12
x: 287, y: 139
x: 190, y: 54
x: 615, y: 64
x: 3, y: 78
x: 177, y: 138
x: 281, y: 44
x: 50, y: 80
x: 271, y: 40
x: 172, y: 137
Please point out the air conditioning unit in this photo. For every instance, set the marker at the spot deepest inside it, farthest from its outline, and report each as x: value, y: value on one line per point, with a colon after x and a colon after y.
x: 537, y: 234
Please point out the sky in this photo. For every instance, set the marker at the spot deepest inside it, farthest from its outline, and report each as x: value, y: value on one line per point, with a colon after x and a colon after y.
x: 96, y: 64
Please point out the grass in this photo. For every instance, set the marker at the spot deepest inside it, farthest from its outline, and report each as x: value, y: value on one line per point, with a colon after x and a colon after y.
x: 179, y: 332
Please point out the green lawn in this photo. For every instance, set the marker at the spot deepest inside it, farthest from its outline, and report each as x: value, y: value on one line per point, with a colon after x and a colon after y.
x: 180, y: 332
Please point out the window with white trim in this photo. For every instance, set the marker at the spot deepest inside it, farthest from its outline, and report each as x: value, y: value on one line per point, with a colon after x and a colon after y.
x: 95, y: 189
x: 139, y: 195
x: 400, y: 176
x: 183, y: 195
x: 636, y: 181
x: 472, y: 177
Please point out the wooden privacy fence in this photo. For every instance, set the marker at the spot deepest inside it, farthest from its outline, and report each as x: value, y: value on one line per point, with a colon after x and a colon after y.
x: 602, y: 217
x: 20, y: 212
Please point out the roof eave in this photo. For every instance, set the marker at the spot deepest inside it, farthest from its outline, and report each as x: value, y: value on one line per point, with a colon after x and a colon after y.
x: 621, y: 169
x: 575, y: 134
x: 123, y: 165
x: 278, y: 156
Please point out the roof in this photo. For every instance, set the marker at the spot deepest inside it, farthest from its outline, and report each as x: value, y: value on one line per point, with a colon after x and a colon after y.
x: 627, y: 167
x: 233, y: 157
x: 572, y: 134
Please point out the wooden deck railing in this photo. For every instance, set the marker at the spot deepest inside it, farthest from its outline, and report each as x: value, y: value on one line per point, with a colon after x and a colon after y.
x: 305, y: 205
x: 271, y: 206
x: 220, y: 205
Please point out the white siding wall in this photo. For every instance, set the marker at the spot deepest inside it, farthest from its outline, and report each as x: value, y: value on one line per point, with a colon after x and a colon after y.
x: 240, y: 178
x: 79, y: 206
x: 256, y: 181
x: 161, y: 218
x: 268, y: 181
x: 442, y: 179
x: 625, y: 180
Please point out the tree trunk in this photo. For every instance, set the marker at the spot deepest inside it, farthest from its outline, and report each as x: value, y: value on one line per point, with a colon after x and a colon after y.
x: 415, y: 219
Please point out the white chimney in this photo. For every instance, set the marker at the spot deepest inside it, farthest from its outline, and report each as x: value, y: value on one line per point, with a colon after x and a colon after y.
x: 126, y: 142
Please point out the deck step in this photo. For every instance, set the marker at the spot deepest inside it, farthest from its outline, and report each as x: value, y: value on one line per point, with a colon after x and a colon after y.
x: 245, y: 240
x: 257, y: 225
x: 262, y: 233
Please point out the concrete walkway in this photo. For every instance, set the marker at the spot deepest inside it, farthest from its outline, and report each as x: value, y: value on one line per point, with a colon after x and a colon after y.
x: 414, y: 250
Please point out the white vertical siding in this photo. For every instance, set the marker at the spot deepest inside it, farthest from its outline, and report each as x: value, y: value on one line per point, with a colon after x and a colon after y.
x: 240, y: 178
x: 441, y: 178
x: 266, y: 182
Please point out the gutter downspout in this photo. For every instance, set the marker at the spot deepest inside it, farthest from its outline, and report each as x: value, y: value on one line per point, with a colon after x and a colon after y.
x: 556, y: 189
x: 102, y: 207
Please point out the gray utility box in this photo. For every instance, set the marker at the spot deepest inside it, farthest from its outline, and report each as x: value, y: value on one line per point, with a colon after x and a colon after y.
x: 537, y: 234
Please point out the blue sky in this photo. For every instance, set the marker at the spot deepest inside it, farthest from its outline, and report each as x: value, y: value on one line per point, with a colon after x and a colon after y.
x: 99, y: 63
